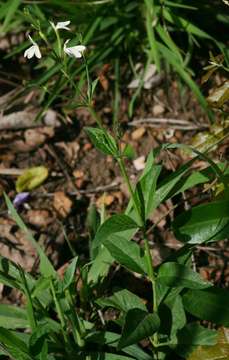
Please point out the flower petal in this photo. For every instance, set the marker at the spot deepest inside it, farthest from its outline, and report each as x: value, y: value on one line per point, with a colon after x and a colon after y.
x: 37, y: 51
x: 63, y: 25
x: 20, y: 199
x: 29, y: 53
x: 75, y: 51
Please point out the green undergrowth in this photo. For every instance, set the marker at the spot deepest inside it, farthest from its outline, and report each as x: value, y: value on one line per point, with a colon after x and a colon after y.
x: 122, y: 33
x: 65, y: 316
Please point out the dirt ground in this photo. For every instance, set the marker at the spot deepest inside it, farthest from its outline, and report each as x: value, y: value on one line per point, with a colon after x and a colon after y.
x: 79, y: 175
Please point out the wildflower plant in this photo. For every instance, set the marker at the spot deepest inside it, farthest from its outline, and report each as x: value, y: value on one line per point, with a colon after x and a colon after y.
x: 57, y: 326
x: 32, y: 50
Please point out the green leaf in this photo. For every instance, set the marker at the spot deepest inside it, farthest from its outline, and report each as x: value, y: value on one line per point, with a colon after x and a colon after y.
x: 100, y: 265
x: 173, y: 274
x: 138, y: 325
x: 165, y: 188
x: 127, y: 253
x: 14, y: 344
x: 197, y: 177
x: 129, y: 152
x: 168, y: 54
x: 10, y: 275
x: 69, y: 274
x: 117, y: 224
x: 9, y: 9
x: 178, y: 317
x: 148, y: 182
x: 103, y: 260
x: 209, y: 304
x: 207, y: 222
x: 41, y: 291
x: 8, y: 280
x: 219, y: 351
x: 165, y: 36
x: 193, y: 335
x: 186, y: 24
x: 40, y: 332
x: 114, y: 225
x: 31, y: 178
x: 13, y: 317
x: 102, y: 140
x: 46, y: 267
x: 123, y: 300
x: 111, y: 339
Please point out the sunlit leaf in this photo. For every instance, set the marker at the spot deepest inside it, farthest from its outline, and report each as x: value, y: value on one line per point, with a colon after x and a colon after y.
x: 220, y: 351
x: 173, y: 274
x: 208, y: 304
x: 202, y: 223
x: 31, y: 178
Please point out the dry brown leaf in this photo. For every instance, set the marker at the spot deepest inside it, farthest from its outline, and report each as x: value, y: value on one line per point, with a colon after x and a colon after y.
x: 62, y: 204
x: 106, y: 200
x: 36, y: 137
x: 41, y: 218
x: 138, y: 133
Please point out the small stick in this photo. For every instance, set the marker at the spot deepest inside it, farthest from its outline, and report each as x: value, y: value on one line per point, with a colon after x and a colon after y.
x: 178, y: 124
x: 11, y: 172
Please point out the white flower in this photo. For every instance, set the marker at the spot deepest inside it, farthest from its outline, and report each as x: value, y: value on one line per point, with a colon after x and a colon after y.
x: 74, y: 51
x: 32, y: 50
x: 61, y: 25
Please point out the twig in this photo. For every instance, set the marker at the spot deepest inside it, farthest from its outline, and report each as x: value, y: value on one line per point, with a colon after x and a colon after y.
x: 178, y: 124
x: 12, y: 171
x: 98, y: 189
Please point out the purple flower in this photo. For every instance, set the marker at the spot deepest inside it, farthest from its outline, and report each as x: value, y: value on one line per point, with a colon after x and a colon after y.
x: 20, y: 199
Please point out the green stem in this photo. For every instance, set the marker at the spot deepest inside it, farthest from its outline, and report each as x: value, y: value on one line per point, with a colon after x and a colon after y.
x: 76, y: 323
x: 30, y: 311
x: 59, y: 311
x: 130, y: 188
x: 88, y: 81
x: 95, y: 116
x: 59, y: 43
x: 153, y: 282
x: 150, y: 18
